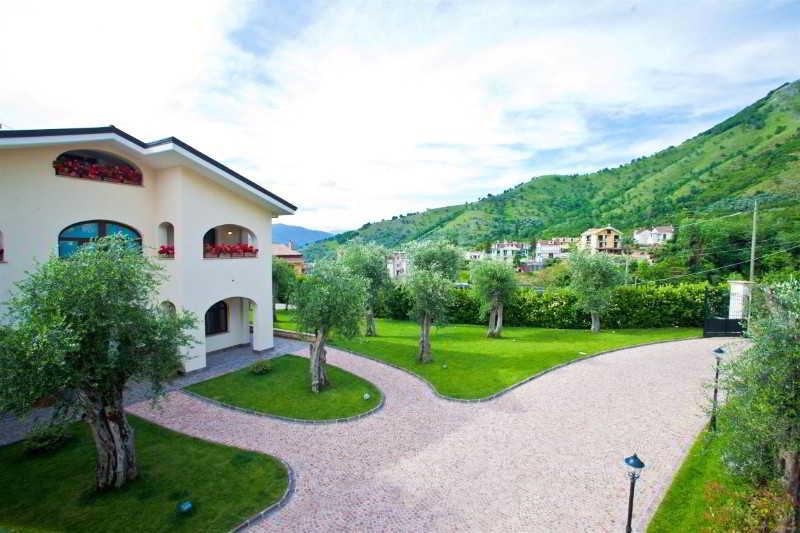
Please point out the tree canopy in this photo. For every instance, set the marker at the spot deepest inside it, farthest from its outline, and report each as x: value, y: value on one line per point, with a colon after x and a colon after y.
x: 369, y: 262
x: 431, y: 293
x: 283, y: 280
x: 437, y: 256
x: 763, y: 391
x: 495, y: 284
x: 331, y: 298
x: 79, y: 329
x: 593, y: 277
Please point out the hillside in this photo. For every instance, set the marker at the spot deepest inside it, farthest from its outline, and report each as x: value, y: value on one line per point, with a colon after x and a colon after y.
x: 755, y: 153
x: 300, y: 236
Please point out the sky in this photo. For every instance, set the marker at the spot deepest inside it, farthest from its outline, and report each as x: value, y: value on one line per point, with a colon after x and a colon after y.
x: 359, y: 110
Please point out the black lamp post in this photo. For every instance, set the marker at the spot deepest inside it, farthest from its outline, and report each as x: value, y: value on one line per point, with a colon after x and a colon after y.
x: 718, y: 353
x: 636, y: 466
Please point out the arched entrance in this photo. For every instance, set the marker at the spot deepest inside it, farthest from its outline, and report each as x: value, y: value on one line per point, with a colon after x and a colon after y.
x: 230, y: 323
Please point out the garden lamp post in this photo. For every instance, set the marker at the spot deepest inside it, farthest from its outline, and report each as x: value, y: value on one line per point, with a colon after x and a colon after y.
x: 636, y: 466
x: 718, y: 353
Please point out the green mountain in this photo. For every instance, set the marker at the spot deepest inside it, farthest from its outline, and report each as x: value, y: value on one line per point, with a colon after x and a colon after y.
x: 753, y: 154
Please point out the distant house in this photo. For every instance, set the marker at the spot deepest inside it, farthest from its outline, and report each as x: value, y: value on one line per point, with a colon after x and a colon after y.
x: 397, y: 263
x: 556, y: 248
x: 606, y: 240
x: 474, y: 255
x: 290, y: 255
x: 506, y: 251
x: 653, y: 236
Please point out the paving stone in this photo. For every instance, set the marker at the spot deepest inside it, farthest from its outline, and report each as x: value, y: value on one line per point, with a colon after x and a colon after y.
x: 545, y: 457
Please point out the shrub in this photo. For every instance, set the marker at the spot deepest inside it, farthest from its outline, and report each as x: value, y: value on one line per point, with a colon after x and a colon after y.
x: 643, y: 306
x: 396, y: 302
x: 264, y: 366
x: 47, y: 438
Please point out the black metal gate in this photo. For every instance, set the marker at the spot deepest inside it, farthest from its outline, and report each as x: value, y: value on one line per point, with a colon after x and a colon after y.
x: 716, y: 322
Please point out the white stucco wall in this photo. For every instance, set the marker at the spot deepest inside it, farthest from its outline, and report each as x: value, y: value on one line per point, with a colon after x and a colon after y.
x: 35, y: 205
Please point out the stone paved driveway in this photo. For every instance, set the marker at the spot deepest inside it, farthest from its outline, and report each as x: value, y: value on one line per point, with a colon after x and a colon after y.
x: 545, y: 457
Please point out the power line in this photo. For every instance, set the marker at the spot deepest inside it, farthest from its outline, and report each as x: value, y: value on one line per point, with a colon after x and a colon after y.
x: 724, y: 266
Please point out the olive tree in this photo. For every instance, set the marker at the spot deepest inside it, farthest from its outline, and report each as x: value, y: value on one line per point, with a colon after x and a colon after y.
x: 763, y: 394
x: 283, y: 281
x: 331, y: 298
x: 430, y: 291
x: 594, y: 277
x: 369, y: 262
x: 495, y: 284
x: 79, y: 329
x: 439, y: 256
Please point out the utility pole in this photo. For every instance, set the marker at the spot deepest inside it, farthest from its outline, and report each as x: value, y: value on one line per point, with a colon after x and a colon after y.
x: 753, y: 243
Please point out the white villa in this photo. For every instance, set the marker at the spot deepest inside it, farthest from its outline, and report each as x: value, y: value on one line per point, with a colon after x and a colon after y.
x: 203, y: 221
x: 556, y: 248
x: 653, y: 236
x: 507, y: 250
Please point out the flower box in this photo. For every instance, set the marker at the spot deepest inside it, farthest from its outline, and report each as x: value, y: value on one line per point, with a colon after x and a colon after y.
x: 166, y: 251
x: 75, y: 166
x: 229, y: 251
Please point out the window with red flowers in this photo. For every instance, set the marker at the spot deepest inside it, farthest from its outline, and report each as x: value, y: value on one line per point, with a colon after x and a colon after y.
x: 97, y: 166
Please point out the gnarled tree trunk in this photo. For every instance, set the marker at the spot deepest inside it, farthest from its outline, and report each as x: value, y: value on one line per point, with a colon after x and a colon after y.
x: 425, y: 355
x: 496, y: 321
x: 319, y: 377
x: 372, y: 331
x: 492, y: 321
x: 595, y: 322
x: 114, y: 441
x: 790, y: 461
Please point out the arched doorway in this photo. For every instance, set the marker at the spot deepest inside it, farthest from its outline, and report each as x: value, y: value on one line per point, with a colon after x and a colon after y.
x: 229, y: 323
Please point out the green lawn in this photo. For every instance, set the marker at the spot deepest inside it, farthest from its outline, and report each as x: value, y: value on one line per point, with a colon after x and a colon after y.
x: 286, y: 391
x: 478, y: 366
x: 685, y: 506
x: 55, y: 492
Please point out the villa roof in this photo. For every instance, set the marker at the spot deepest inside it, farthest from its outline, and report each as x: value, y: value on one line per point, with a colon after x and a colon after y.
x: 664, y: 229
x: 281, y: 250
x: 150, y: 150
x: 597, y: 230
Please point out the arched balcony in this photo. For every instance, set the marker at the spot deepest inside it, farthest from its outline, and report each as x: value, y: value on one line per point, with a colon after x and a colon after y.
x: 166, y: 240
x: 97, y: 166
x: 229, y: 242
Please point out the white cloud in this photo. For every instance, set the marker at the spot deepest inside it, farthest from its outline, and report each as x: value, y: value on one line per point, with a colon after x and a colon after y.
x: 377, y: 108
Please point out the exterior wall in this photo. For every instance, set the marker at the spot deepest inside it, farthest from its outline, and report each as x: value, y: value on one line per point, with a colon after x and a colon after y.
x: 36, y: 205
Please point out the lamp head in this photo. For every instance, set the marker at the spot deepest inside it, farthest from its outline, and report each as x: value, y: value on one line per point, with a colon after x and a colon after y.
x: 634, y: 462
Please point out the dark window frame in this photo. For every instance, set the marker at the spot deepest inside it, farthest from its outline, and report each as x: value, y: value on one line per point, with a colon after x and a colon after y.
x: 216, y: 318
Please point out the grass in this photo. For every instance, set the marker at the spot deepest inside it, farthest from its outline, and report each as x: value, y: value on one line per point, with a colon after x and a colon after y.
x: 478, y: 366
x: 55, y: 492
x: 686, y: 505
x: 286, y: 391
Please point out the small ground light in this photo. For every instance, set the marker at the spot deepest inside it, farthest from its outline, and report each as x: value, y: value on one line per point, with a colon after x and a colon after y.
x: 444, y: 365
x: 367, y: 396
x: 719, y: 351
x: 636, y: 466
x: 185, y: 507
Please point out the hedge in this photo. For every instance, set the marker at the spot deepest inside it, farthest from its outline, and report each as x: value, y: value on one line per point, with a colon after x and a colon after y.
x: 643, y: 306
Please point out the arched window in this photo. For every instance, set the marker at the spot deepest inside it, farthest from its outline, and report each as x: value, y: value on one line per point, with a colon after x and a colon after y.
x: 166, y: 240
x: 2, y: 249
x: 217, y: 318
x: 73, y: 237
x: 97, y: 166
x: 168, y: 307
